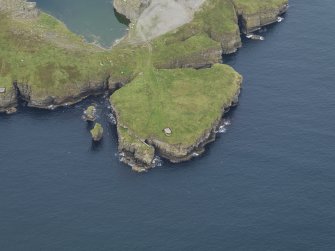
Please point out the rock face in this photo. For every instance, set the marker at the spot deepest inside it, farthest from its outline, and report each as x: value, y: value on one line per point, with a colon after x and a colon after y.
x: 97, y: 132
x: 8, y: 99
x: 231, y: 42
x: 19, y: 8
x: 50, y: 99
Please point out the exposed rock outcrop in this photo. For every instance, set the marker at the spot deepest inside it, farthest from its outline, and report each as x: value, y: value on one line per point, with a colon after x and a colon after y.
x: 134, y: 151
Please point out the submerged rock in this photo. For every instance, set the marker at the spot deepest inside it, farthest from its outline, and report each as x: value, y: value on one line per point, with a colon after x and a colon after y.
x: 90, y: 114
x: 97, y: 132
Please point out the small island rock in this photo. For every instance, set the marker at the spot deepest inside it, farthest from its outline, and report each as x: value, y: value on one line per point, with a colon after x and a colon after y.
x: 97, y: 132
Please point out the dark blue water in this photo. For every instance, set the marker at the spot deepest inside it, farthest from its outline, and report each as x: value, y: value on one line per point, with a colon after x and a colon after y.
x: 266, y: 184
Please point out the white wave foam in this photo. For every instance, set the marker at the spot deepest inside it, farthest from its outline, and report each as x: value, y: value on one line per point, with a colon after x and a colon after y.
x: 111, y: 118
x: 157, y: 161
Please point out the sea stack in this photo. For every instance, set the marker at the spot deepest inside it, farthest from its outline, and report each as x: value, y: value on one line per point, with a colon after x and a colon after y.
x: 97, y: 132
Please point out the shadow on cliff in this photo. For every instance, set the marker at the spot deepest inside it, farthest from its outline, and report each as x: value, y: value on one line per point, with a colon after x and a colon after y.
x: 121, y: 18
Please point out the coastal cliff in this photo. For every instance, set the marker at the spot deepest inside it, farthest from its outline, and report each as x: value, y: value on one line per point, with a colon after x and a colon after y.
x: 169, y: 90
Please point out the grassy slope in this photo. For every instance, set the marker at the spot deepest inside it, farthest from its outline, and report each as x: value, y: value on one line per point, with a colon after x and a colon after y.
x: 46, y: 54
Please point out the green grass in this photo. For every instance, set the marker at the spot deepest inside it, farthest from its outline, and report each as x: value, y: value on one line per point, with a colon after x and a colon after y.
x: 186, y: 100
x: 251, y: 7
x: 97, y: 132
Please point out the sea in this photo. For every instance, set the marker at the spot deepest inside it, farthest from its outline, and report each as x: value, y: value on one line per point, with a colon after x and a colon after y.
x: 266, y: 183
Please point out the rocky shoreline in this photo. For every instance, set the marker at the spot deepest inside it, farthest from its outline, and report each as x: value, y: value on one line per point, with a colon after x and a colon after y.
x: 200, y: 46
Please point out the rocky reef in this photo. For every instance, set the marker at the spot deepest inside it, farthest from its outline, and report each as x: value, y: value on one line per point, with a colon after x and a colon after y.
x: 164, y: 73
